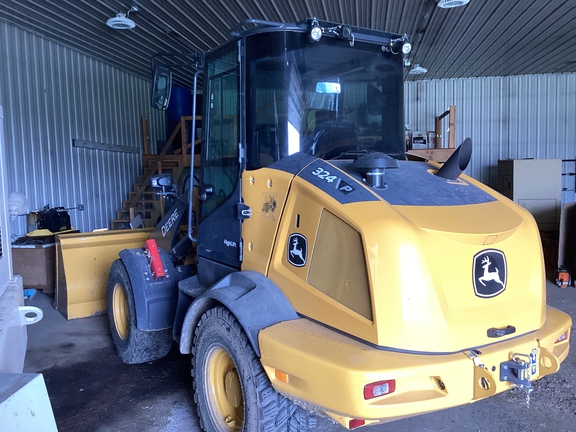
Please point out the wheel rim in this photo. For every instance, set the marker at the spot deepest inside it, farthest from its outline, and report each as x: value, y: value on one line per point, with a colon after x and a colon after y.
x: 224, y: 391
x: 120, y: 311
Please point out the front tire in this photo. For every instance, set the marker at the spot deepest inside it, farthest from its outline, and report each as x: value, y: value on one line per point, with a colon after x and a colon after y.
x: 231, y: 389
x: 132, y: 344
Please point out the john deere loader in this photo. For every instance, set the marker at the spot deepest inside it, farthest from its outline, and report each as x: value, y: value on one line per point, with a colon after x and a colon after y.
x: 327, y: 274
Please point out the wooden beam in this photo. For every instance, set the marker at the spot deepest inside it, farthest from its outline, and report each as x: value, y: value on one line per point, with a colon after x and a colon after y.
x: 451, y: 112
x: 438, y: 132
x: 183, y: 134
x: 103, y: 146
x: 145, y: 135
x: 452, y: 127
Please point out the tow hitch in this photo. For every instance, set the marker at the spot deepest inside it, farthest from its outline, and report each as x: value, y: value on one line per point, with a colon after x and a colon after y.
x: 518, y: 371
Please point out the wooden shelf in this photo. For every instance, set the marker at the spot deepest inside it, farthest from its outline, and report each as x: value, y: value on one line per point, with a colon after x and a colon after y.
x: 436, y: 155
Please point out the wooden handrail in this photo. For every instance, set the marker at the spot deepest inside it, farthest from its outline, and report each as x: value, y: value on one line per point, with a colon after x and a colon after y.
x: 172, y: 136
x: 187, y: 146
x: 156, y: 166
x: 141, y: 189
x: 180, y: 126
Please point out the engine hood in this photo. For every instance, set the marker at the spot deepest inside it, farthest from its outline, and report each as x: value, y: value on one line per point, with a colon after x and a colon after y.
x: 465, y: 276
x: 460, y: 265
x: 451, y: 265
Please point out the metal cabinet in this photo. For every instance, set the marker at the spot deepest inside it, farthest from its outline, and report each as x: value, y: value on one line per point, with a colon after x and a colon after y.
x: 536, y: 185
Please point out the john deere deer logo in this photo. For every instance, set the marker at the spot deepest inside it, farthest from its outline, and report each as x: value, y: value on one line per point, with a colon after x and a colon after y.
x: 489, y: 273
x: 297, y: 250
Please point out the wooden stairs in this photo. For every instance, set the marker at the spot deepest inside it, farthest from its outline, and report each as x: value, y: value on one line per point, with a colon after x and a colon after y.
x: 143, y: 200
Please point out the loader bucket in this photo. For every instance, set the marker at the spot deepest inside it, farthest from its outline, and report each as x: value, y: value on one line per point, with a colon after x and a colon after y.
x: 83, y: 262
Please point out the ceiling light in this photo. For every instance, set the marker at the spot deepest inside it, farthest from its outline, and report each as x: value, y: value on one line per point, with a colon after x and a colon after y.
x: 417, y: 70
x: 447, y: 4
x: 121, y: 21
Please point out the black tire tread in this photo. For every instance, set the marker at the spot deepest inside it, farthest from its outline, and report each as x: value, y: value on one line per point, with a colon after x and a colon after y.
x: 276, y: 413
x: 140, y: 346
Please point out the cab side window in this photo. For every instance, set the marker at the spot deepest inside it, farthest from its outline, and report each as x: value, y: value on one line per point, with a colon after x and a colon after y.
x: 221, y: 168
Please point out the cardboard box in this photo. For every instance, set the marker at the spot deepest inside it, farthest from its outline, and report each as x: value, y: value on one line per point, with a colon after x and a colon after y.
x: 36, y: 264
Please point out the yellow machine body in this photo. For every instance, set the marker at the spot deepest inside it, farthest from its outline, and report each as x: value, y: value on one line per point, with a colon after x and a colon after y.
x: 394, y: 292
x: 328, y: 370
x: 370, y: 287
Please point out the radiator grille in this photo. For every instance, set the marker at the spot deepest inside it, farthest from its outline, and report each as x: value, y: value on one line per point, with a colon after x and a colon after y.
x: 338, y: 265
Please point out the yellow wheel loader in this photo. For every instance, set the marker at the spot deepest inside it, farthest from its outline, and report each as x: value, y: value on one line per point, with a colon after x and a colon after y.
x: 330, y: 275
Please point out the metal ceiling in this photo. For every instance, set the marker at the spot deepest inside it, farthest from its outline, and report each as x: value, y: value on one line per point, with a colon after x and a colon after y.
x: 483, y: 38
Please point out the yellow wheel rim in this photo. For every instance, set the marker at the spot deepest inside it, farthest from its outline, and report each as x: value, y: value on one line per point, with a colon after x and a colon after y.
x: 224, y: 391
x: 121, y: 311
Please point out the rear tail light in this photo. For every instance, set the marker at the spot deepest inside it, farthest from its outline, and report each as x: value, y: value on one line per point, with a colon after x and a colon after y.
x: 562, y: 338
x: 354, y: 423
x: 379, y: 388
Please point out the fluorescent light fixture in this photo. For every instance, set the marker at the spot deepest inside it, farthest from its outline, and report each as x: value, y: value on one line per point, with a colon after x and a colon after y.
x: 417, y: 70
x: 121, y: 20
x: 448, y: 4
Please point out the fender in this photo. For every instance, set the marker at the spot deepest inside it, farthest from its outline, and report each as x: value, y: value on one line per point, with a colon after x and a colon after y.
x: 255, y: 301
x: 155, y: 301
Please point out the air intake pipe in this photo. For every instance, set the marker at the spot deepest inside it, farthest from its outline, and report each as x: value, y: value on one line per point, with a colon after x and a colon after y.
x: 458, y: 162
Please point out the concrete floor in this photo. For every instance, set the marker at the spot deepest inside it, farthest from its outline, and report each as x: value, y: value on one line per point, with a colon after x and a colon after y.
x: 92, y: 390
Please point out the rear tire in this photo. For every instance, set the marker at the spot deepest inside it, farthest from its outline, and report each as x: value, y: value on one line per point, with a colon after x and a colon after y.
x: 132, y: 344
x: 231, y: 389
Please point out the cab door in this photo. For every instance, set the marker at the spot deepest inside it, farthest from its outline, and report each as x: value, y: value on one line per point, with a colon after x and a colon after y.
x: 219, y: 231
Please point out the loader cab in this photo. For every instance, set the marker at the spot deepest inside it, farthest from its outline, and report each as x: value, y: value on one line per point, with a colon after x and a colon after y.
x: 341, y: 93
x: 275, y: 90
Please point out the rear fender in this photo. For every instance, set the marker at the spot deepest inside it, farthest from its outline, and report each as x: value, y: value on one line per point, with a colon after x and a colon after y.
x: 155, y: 301
x: 255, y: 301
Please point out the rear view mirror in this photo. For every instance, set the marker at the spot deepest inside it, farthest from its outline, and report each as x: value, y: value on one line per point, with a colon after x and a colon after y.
x: 328, y: 87
x: 161, y: 86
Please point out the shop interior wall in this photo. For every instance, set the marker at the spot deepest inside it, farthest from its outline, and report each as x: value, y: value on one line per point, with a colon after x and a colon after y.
x: 52, y: 95
x: 515, y: 117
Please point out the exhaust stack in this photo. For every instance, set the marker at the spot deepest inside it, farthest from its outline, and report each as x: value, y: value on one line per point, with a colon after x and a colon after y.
x: 458, y: 162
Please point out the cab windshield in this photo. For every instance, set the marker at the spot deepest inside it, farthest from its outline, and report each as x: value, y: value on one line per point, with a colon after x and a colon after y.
x: 323, y: 98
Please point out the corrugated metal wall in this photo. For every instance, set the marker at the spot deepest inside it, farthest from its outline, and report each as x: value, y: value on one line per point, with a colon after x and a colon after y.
x: 52, y: 95
x: 530, y: 116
